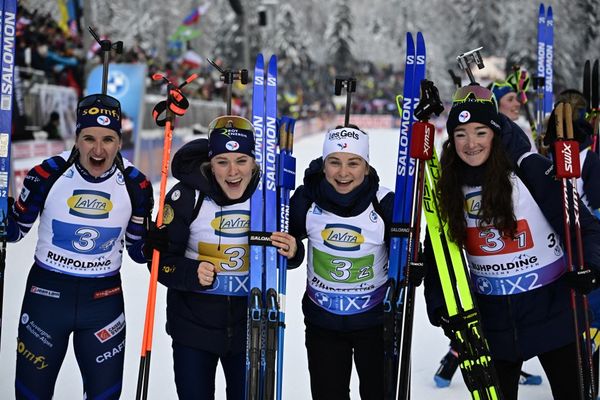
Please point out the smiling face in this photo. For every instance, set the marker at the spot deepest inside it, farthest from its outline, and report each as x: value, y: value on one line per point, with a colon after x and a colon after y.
x: 510, y: 106
x: 345, y: 171
x: 98, y: 148
x: 233, y: 172
x: 473, y: 143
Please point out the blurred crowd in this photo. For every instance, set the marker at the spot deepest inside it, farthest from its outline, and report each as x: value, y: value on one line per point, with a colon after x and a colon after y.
x: 44, y: 52
x: 48, y: 53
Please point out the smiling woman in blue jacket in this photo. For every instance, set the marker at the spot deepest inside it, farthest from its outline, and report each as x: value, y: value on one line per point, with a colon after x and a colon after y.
x: 207, y: 218
x: 344, y: 213
x: 502, y: 205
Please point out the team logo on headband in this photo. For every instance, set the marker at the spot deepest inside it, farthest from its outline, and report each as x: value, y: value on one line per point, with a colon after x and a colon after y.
x: 232, y: 145
x: 103, y: 120
x: 342, y: 146
x: 464, y: 116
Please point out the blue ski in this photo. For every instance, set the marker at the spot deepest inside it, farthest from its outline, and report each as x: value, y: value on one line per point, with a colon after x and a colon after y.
x: 539, y: 79
x: 265, y: 321
x: 398, y: 304
x: 548, y: 62
x: 271, y: 219
x: 8, y: 18
x: 286, y: 183
x: 255, y: 295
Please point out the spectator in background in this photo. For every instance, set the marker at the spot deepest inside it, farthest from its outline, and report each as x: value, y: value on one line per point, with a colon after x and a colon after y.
x: 52, y: 127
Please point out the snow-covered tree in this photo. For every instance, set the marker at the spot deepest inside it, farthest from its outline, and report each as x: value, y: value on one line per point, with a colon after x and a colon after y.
x: 339, y: 39
x: 291, y: 41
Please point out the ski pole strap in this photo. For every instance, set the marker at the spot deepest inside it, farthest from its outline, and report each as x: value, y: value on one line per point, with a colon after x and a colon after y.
x: 458, y: 322
x: 176, y: 101
x: 259, y: 238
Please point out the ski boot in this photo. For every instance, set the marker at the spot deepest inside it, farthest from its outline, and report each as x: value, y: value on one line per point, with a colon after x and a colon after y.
x: 529, y: 379
x: 448, y: 367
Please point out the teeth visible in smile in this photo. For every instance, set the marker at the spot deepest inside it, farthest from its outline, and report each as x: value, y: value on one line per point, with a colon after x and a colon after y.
x: 235, y: 181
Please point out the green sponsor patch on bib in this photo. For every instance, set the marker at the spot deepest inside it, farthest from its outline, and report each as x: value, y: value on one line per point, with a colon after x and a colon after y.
x: 342, y: 269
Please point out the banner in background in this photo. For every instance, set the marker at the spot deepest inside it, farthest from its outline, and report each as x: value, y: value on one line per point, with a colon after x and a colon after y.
x: 126, y: 82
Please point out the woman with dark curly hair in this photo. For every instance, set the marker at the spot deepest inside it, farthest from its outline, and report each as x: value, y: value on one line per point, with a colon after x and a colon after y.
x: 501, y: 205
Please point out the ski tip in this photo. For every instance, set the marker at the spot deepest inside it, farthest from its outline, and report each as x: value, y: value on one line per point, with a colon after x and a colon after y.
x: 441, y: 382
x: 549, y: 13
x: 542, y: 10
x: 259, y: 58
x: 273, y: 59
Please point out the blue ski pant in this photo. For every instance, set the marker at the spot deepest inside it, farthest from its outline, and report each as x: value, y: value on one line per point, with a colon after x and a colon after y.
x: 58, y: 305
x: 330, y: 355
x: 195, y: 372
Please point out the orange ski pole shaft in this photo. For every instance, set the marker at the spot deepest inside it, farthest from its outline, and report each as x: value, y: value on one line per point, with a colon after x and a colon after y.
x: 175, y: 105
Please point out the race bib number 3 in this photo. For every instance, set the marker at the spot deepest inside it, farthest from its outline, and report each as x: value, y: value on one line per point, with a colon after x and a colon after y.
x: 84, y: 239
x: 227, y: 258
x: 486, y: 241
x: 342, y: 269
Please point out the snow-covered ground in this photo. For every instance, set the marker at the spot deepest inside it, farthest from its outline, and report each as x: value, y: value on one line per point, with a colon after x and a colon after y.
x: 429, y: 343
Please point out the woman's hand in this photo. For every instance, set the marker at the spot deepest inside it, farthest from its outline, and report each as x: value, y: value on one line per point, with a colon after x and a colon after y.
x: 206, y: 273
x: 285, y: 243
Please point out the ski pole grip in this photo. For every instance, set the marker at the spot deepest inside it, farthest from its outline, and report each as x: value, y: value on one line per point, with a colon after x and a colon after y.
x: 566, y: 151
x: 559, y: 117
x: 568, y: 111
x: 421, y: 142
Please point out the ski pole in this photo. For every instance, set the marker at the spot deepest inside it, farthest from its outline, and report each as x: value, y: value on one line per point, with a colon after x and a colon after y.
x: 591, y: 95
x: 175, y: 105
x: 287, y: 175
x: 568, y: 167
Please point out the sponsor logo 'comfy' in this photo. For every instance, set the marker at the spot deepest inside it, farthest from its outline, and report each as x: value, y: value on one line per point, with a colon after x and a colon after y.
x: 39, y: 362
x: 342, y: 237
x: 90, y: 204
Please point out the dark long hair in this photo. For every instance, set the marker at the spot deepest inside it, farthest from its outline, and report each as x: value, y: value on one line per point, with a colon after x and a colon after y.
x: 496, y: 188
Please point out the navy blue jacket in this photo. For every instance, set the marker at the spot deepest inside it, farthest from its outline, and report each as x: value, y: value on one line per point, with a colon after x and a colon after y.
x: 317, y: 190
x: 590, y: 175
x: 208, y: 322
x: 524, y: 325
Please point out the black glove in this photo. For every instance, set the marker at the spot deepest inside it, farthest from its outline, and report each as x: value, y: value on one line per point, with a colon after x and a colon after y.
x: 156, y: 238
x: 582, y: 281
x: 416, y: 273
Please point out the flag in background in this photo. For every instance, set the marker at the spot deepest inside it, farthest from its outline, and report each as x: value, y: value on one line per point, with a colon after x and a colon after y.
x: 68, y: 17
x: 194, y: 16
x: 64, y: 16
x: 73, y: 9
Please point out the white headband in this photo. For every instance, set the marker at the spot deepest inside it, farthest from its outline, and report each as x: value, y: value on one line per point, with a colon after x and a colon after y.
x: 346, y: 140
